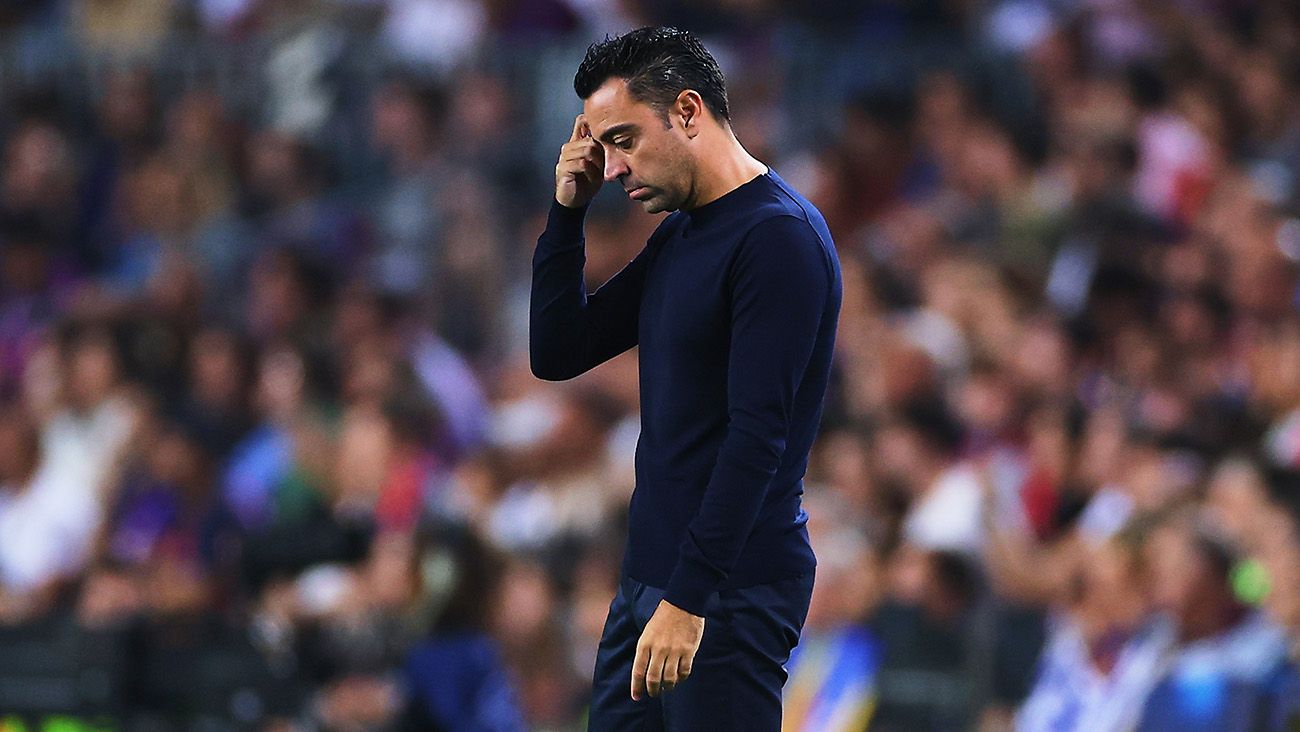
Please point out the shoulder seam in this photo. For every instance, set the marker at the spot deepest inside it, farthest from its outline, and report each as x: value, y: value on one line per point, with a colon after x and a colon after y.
x: 823, y: 246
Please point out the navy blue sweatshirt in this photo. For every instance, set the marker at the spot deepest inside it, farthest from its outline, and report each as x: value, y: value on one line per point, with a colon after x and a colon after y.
x: 734, y: 306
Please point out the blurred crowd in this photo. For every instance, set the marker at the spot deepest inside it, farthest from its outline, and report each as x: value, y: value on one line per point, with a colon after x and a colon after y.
x: 271, y: 455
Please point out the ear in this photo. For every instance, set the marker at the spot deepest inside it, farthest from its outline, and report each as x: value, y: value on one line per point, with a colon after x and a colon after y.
x: 689, y: 110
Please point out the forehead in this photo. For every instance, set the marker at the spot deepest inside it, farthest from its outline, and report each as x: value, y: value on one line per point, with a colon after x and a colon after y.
x: 611, y: 105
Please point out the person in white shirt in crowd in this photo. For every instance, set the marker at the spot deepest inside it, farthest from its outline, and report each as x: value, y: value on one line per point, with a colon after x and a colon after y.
x: 1106, y: 647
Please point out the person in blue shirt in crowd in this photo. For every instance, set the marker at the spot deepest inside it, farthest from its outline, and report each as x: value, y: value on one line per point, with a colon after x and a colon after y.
x: 1218, y: 676
x: 456, y: 678
x: 733, y: 302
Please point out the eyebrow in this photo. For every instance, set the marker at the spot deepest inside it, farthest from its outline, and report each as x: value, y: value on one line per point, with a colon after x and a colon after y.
x: 608, y: 135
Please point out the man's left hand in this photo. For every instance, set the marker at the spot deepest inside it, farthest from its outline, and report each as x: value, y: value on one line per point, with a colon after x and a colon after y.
x: 666, y: 650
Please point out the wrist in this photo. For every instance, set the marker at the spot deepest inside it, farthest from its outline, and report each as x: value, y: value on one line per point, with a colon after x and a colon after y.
x: 691, y: 587
x: 574, y: 205
x: 680, y: 611
x: 565, y: 221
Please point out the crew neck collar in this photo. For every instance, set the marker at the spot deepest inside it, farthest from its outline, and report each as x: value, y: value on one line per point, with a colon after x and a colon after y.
x: 702, y: 215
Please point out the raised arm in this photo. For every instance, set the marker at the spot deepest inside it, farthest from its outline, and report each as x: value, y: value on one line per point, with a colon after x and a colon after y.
x: 570, y: 331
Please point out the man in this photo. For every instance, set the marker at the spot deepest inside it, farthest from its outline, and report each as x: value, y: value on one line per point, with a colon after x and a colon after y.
x: 1218, y: 675
x: 733, y: 302
x: 1280, y: 556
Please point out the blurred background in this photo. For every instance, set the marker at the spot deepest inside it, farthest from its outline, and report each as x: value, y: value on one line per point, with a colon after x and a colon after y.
x: 271, y: 456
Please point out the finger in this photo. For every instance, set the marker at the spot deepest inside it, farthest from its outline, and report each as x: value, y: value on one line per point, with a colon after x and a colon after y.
x: 639, y: 665
x: 671, y: 666
x: 586, y: 144
x: 577, y: 169
x: 588, y: 156
x: 654, y: 677
x: 578, y: 124
x: 684, y: 667
x: 577, y: 161
x: 580, y: 154
x: 582, y: 165
x: 584, y: 128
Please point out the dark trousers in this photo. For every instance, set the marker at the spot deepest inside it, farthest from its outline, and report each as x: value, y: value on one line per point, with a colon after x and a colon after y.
x: 737, y: 675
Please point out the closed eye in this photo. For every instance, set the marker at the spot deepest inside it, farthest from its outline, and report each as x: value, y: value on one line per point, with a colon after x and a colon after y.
x: 619, y: 135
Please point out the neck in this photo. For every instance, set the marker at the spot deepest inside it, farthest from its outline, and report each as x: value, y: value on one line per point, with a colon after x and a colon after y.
x: 727, y: 167
x: 1212, y: 621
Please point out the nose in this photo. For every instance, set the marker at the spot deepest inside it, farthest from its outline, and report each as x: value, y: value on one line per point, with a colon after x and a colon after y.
x: 615, y: 167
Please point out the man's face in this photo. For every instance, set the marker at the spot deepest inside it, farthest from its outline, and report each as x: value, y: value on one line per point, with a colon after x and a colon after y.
x: 647, y: 156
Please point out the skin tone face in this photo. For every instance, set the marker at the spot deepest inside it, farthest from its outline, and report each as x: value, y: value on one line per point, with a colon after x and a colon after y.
x: 644, y: 153
x: 1115, y: 590
x: 679, y: 158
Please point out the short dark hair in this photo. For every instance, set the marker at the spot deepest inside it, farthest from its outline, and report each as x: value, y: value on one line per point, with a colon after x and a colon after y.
x: 657, y: 64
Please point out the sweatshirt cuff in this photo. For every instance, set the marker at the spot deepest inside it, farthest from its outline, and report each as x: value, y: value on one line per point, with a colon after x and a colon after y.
x: 564, y: 223
x: 691, y: 586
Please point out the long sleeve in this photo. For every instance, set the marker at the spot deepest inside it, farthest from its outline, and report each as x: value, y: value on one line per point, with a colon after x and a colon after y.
x: 780, y: 284
x: 570, y: 331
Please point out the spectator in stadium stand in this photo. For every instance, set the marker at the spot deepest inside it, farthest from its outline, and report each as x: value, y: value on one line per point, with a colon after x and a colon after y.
x: 923, y: 449
x: 38, y: 183
x: 31, y: 280
x: 930, y: 641
x: 1106, y: 648
x: 566, y: 496
x: 289, y: 198
x: 1217, y: 677
x: 28, y: 492
x: 165, y: 525
x: 734, y: 303
x: 834, y: 670
x: 455, y: 676
x: 407, y: 130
